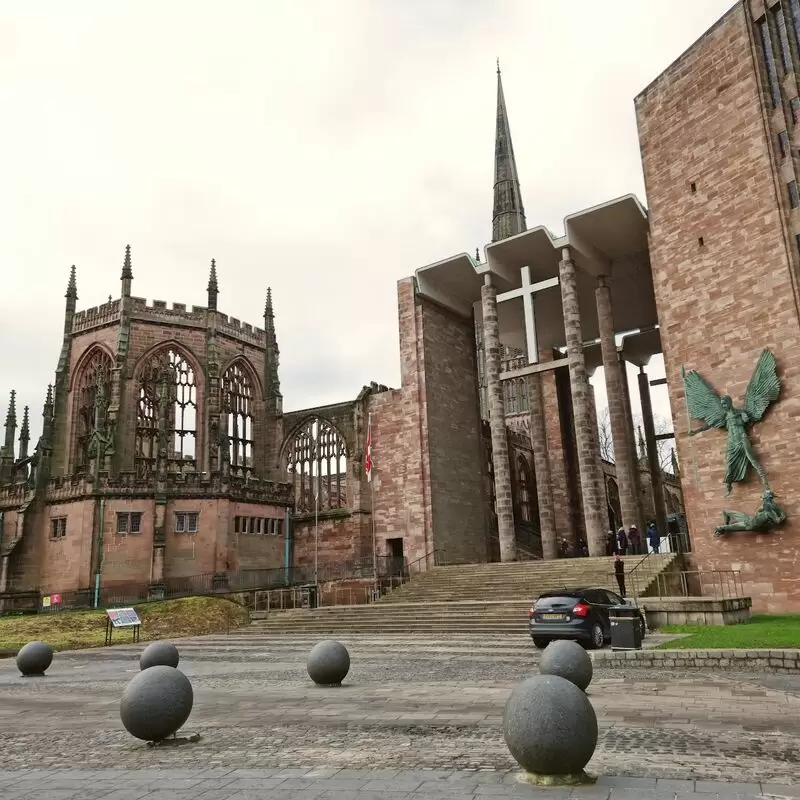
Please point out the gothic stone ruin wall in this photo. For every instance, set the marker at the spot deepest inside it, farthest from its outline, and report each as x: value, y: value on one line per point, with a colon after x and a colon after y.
x: 724, y: 259
x: 235, y: 523
x: 340, y: 530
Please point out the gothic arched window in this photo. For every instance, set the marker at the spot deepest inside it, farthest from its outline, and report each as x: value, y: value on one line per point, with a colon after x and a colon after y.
x: 524, y: 489
x: 92, y: 393
x: 316, y: 460
x: 166, y: 412
x: 237, y: 405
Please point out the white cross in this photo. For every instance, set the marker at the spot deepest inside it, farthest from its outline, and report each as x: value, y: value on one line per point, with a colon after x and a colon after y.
x: 527, y: 292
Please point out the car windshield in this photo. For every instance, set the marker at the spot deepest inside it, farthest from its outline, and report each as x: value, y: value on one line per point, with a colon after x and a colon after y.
x: 556, y: 601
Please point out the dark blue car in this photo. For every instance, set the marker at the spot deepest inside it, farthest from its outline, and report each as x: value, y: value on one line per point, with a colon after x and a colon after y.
x: 579, y: 614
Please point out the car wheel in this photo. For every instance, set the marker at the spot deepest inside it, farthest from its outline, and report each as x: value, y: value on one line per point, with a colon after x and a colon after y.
x: 597, y: 638
x: 540, y: 643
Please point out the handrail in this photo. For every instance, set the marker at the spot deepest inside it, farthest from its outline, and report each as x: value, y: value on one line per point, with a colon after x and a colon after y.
x: 436, y: 560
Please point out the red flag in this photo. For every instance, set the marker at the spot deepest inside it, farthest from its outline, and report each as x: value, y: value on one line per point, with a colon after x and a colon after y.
x: 368, y: 455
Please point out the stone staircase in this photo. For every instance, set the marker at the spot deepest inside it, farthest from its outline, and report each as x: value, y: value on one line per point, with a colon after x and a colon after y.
x: 468, y: 598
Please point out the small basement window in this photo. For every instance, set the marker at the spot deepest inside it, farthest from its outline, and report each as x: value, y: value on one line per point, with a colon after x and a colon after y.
x: 693, y: 187
x: 701, y: 242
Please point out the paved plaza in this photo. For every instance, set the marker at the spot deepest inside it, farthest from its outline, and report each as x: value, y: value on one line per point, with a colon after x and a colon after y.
x: 418, y: 717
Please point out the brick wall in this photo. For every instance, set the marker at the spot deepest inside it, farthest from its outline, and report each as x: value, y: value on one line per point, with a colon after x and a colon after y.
x: 721, y: 302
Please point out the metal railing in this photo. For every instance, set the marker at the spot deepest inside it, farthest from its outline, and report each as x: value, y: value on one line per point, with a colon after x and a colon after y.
x: 391, y: 571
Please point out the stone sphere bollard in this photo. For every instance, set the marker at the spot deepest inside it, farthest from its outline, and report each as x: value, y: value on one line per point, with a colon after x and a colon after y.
x: 567, y: 659
x: 550, y: 728
x: 156, y: 703
x: 34, y: 658
x: 328, y: 663
x: 159, y: 654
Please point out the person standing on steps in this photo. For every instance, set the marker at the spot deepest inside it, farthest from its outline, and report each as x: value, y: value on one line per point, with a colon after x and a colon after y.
x: 619, y: 574
x: 634, y: 540
x: 654, y: 537
x: 622, y: 541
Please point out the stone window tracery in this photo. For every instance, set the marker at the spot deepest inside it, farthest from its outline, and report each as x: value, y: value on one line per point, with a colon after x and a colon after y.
x: 166, y: 413
x: 524, y: 489
x: 316, y: 461
x: 93, y: 392
x: 237, y: 405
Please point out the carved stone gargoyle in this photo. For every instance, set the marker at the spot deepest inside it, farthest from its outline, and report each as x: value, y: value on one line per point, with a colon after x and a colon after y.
x: 767, y: 517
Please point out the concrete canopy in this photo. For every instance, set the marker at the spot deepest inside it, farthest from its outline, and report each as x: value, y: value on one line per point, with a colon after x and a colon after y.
x: 609, y: 239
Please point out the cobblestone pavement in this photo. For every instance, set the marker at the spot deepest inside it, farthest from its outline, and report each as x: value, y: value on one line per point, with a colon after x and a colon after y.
x: 418, y: 717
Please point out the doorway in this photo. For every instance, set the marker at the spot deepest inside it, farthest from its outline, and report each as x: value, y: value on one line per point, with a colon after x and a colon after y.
x: 397, y: 559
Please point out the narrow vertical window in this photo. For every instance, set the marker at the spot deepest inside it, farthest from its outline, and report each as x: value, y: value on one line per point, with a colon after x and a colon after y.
x: 794, y: 104
x: 783, y: 144
x: 783, y: 38
x: 794, y: 194
x: 769, y: 63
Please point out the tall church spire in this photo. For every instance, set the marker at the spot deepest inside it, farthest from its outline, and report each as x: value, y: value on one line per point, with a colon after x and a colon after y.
x: 508, y: 216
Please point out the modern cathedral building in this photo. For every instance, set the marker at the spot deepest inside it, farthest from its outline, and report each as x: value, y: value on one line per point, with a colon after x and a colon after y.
x: 166, y: 452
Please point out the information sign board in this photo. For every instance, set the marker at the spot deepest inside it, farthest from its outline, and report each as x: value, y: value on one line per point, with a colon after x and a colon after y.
x: 123, y: 617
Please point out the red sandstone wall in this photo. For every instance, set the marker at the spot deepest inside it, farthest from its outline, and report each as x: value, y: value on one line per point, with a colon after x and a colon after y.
x: 127, y: 558
x: 719, y: 304
x: 251, y: 550
x: 400, y: 441
x: 454, y: 436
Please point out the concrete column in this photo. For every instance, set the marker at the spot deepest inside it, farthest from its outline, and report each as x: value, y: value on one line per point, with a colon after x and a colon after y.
x: 594, y: 503
x: 497, y: 423
x: 652, y: 451
x: 541, y: 463
x: 630, y: 444
x: 616, y: 403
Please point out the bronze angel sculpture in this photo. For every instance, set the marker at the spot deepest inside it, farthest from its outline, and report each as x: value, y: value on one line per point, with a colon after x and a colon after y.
x: 716, y: 411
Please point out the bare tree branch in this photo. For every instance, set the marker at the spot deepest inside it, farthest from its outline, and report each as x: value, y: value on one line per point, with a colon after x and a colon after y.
x: 661, y: 425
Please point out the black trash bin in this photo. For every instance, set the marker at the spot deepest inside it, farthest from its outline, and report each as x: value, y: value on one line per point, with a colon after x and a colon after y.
x: 308, y: 595
x: 626, y: 628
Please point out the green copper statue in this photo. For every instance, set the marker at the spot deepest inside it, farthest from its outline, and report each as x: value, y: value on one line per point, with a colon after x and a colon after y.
x: 718, y: 411
x: 769, y: 515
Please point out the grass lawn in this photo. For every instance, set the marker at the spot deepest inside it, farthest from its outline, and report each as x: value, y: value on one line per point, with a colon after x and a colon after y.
x: 166, y: 619
x: 762, y: 632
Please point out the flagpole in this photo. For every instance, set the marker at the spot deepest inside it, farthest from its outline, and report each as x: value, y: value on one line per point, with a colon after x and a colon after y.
x: 372, y: 506
x: 316, y: 531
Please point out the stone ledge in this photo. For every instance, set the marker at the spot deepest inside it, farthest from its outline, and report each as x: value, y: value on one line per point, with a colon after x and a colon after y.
x: 777, y: 661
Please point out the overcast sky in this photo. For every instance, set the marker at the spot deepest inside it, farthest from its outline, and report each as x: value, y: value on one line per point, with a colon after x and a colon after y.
x: 326, y: 148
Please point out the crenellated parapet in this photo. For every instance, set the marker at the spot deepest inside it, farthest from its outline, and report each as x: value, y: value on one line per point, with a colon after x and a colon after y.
x: 96, y: 317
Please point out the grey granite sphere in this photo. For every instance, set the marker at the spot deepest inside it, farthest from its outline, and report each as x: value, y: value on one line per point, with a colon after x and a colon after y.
x: 569, y: 660
x: 34, y: 658
x: 159, y: 654
x: 156, y: 703
x: 328, y: 663
x: 550, y: 727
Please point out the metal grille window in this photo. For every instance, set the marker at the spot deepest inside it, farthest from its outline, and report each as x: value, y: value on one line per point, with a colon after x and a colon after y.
x: 58, y: 527
x: 794, y: 104
x: 186, y: 521
x: 794, y: 194
x: 129, y: 522
x: 783, y: 144
x: 779, y: 23
x: 769, y: 61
